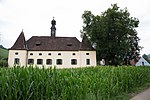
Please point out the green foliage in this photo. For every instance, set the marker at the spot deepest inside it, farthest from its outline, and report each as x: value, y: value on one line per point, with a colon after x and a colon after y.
x: 92, y: 83
x: 3, y: 63
x: 113, y: 34
x: 3, y: 56
x: 3, y: 53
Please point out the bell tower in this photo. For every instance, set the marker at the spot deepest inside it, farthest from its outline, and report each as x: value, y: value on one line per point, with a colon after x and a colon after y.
x: 53, y: 28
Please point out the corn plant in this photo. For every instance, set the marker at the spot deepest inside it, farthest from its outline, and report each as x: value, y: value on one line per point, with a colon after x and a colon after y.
x: 91, y: 83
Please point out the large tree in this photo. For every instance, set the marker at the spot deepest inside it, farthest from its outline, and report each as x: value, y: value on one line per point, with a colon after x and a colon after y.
x: 113, y: 35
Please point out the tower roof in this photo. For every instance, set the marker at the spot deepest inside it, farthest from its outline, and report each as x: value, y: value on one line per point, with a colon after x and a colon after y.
x: 20, y: 43
x: 85, y: 44
x: 53, y: 22
x: 53, y: 28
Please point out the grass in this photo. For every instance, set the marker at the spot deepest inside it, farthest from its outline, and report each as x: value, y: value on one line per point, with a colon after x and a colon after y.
x: 3, y: 53
x: 92, y: 83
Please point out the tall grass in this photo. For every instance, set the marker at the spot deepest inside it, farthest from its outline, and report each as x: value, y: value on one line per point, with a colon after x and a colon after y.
x: 92, y: 83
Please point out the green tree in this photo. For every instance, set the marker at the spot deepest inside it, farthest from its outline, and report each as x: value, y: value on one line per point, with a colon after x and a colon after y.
x: 113, y: 35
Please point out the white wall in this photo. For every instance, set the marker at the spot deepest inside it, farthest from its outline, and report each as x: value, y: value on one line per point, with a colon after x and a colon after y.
x: 66, y: 56
x: 142, y: 62
x: 22, y: 55
x: 91, y: 56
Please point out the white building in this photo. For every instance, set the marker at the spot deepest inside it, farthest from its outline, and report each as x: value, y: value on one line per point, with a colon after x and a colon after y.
x: 62, y: 52
x: 142, y: 62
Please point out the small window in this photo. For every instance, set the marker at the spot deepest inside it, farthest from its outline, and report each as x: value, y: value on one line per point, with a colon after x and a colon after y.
x: 40, y: 54
x: 30, y: 61
x: 73, y: 53
x: 38, y: 43
x: 87, y: 61
x: 59, y: 53
x: 31, y: 53
x: 49, y: 54
x: 69, y: 44
x: 48, y: 61
x: 16, y: 53
x: 16, y: 61
x: 39, y: 61
x: 142, y: 63
x: 87, y: 53
x: 59, y: 61
x: 73, y: 61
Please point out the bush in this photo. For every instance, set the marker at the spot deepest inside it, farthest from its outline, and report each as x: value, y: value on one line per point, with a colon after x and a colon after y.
x: 3, y: 63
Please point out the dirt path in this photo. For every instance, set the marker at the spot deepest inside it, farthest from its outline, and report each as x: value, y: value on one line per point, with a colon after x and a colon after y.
x: 145, y: 95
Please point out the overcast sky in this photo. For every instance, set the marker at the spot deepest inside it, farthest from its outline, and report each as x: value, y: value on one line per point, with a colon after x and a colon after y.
x: 34, y: 16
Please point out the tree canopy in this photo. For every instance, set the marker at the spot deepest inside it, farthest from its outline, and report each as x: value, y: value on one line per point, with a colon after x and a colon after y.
x: 113, y: 34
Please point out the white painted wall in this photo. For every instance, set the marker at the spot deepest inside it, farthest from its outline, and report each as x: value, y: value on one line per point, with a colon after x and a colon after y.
x: 142, y: 62
x: 91, y: 56
x: 22, y: 55
x: 66, y: 56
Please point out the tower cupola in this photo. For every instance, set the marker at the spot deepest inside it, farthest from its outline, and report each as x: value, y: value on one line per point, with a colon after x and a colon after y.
x: 53, y: 28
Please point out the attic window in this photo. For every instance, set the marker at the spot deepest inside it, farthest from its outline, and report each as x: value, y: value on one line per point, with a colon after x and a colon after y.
x: 49, y: 54
x: 38, y: 43
x: 16, y: 53
x: 40, y: 54
x: 73, y: 53
x: 69, y: 44
x: 59, y: 53
x: 31, y: 53
x: 87, y: 53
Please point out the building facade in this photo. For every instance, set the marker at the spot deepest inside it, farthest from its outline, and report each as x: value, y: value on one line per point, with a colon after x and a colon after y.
x: 62, y: 52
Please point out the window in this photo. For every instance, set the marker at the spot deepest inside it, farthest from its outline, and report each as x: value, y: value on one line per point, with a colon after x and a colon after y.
x: 39, y: 61
x: 59, y: 53
x: 49, y: 54
x: 30, y: 61
x: 87, y: 53
x: 59, y: 61
x: 87, y: 61
x: 69, y: 44
x: 16, y: 53
x: 142, y: 63
x: 48, y: 61
x: 16, y: 61
x: 40, y: 54
x: 31, y: 53
x: 38, y: 43
x: 73, y: 61
x: 73, y: 54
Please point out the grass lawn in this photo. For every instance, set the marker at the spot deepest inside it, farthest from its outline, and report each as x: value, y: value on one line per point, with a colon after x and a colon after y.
x: 3, y: 53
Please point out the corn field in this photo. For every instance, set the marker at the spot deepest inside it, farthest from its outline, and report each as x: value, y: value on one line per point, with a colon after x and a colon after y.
x: 91, y: 83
